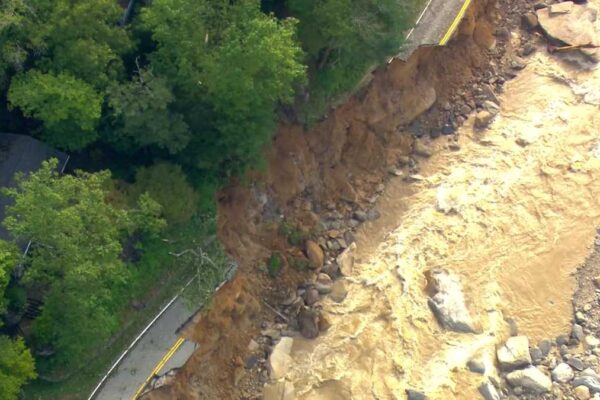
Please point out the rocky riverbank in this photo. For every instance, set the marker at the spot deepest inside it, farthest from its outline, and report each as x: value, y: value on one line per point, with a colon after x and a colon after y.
x: 332, y: 202
x: 563, y: 367
x: 554, y: 368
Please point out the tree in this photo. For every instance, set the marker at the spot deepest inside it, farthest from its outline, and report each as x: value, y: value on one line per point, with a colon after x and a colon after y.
x: 16, y: 362
x: 12, y: 55
x: 81, y: 38
x: 8, y: 261
x: 74, y: 259
x: 255, y: 66
x: 16, y: 367
x: 69, y: 108
x: 168, y: 185
x: 343, y: 38
x: 142, y: 109
x: 229, y: 65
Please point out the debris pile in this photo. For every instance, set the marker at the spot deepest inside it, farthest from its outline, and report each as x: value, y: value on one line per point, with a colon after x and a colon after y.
x: 569, y: 27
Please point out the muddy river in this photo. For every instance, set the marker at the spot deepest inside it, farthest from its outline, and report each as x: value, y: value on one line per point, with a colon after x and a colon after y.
x: 512, y: 214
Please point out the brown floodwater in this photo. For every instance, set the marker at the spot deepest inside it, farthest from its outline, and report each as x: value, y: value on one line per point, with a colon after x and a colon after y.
x: 512, y: 214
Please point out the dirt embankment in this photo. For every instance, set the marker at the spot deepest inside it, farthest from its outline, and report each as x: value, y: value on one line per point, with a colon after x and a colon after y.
x: 334, y: 169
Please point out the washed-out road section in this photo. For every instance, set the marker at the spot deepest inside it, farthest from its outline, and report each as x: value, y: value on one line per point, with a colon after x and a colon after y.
x: 148, y: 354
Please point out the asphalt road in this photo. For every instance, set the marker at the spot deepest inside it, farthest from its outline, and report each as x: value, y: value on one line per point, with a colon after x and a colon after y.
x: 435, y: 26
x: 151, y: 355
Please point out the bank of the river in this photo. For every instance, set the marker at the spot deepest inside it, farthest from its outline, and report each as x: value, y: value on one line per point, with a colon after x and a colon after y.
x: 507, y: 207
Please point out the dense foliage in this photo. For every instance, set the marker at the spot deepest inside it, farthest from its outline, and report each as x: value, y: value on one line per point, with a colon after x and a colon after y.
x: 175, y: 102
x: 16, y: 362
x: 167, y: 184
x: 75, y: 257
x: 16, y: 367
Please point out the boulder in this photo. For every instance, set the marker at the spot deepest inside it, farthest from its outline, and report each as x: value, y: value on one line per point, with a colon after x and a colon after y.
x: 582, y: 392
x: 447, y: 301
x: 324, y: 279
x: 415, y: 395
x: 536, y: 355
x: 561, y: 8
x: 591, y: 342
x: 346, y: 260
x: 421, y: 149
x: 308, y: 322
x: 315, y: 254
x: 373, y: 214
x: 545, y: 346
x: 331, y: 270
x: 483, y: 119
x: 489, y: 391
x: 311, y: 296
x: 282, y: 390
x: 338, y: 292
x: 476, y: 365
x: 360, y: 215
x: 530, y: 20
x: 323, y: 288
x: 577, y: 332
x: 576, y: 363
x: 562, y: 373
x: 531, y: 379
x: 514, y: 353
x: 491, y: 107
x: 589, y: 381
x: 572, y: 24
x: 280, y: 359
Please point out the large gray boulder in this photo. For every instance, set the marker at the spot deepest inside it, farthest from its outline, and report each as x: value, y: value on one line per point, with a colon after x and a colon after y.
x: 514, y: 353
x: 447, y: 301
x: 531, y: 379
x: 572, y: 24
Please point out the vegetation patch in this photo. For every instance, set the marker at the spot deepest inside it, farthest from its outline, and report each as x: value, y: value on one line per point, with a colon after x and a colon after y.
x: 294, y: 235
x: 275, y: 264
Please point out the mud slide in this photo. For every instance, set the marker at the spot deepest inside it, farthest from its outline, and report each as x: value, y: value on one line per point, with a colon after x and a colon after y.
x: 509, y: 210
x: 512, y: 214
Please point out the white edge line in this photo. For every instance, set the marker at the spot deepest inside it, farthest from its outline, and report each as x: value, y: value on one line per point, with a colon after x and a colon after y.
x: 416, y: 23
x: 137, y: 339
x: 423, y: 13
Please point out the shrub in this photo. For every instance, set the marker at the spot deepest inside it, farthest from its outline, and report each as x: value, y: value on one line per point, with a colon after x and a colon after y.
x: 167, y: 184
x: 275, y: 264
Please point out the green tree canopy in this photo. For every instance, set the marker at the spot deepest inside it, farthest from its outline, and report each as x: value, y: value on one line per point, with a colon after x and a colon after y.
x: 16, y: 362
x: 9, y: 257
x: 75, y: 254
x: 343, y: 38
x: 16, y: 367
x: 81, y: 37
x: 12, y: 55
x: 168, y: 185
x: 230, y: 65
x: 142, y: 108
x: 69, y: 107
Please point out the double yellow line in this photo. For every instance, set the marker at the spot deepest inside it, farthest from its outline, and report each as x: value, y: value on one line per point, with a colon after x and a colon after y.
x: 160, y: 365
x: 455, y: 23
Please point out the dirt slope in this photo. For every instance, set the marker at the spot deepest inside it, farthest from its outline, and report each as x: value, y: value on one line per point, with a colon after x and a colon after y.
x: 333, y: 167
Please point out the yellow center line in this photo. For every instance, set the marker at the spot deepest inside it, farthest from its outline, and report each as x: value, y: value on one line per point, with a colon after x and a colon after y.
x: 455, y: 23
x: 159, y: 366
